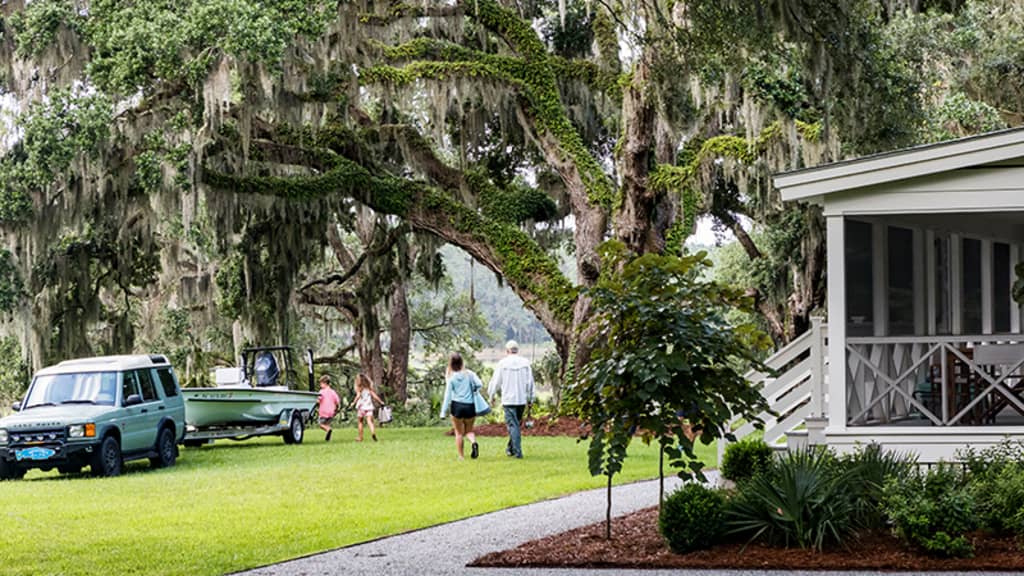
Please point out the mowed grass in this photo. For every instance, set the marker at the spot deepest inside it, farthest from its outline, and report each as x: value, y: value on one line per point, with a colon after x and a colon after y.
x: 231, y: 506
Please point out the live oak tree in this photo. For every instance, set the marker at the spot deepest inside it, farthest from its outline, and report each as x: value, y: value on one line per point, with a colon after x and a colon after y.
x: 194, y: 154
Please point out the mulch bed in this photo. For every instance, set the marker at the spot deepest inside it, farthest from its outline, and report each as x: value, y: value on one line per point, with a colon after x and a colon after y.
x: 542, y: 426
x: 636, y: 543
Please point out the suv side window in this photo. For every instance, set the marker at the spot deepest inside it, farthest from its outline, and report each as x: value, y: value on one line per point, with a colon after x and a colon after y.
x: 167, y: 382
x: 147, y: 386
x: 129, y: 385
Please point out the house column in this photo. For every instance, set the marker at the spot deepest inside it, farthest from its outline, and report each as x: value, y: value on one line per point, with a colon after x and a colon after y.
x: 920, y: 281
x: 1014, y: 307
x: 879, y: 278
x: 929, y: 280
x: 835, y: 236
x: 956, y: 297
x: 986, y: 286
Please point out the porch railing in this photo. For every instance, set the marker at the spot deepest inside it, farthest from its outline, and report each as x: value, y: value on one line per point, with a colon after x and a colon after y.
x: 935, y: 380
x: 795, y: 390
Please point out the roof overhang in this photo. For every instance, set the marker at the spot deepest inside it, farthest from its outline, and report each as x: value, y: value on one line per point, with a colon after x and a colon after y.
x: 813, y: 183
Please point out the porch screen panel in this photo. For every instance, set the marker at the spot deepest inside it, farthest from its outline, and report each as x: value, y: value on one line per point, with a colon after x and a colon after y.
x: 901, y: 281
x: 1001, y: 287
x: 859, y: 290
x: 970, y: 302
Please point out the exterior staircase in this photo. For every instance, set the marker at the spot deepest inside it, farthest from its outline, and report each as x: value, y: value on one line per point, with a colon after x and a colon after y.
x: 795, y: 391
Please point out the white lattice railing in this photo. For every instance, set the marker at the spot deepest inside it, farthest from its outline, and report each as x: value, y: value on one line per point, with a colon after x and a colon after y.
x: 935, y: 380
x: 796, y: 391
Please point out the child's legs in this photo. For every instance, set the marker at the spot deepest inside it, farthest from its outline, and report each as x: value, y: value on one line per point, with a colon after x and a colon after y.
x: 369, y: 420
x: 459, y: 431
x: 359, y: 419
x: 469, y: 430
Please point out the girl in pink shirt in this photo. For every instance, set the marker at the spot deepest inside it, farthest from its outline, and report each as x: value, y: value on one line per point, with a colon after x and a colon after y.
x: 329, y: 403
x: 364, y: 405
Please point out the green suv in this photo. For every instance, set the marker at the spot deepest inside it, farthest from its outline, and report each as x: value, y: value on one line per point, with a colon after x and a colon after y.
x: 95, y: 412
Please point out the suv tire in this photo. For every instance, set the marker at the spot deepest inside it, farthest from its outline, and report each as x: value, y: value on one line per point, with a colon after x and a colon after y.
x: 166, y: 449
x: 296, y: 430
x: 10, y: 471
x: 107, y: 461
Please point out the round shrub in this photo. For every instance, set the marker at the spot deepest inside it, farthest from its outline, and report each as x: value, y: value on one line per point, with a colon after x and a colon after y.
x: 933, y: 511
x: 692, y: 518
x: 744, y: 459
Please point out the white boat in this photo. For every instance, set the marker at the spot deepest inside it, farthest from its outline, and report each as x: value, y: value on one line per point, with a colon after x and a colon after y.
x: 242, y: 405
x: 253, y: 399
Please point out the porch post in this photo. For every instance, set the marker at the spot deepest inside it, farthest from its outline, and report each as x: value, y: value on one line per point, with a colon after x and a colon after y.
x: 956, y: 252
x: 879, y: 278
x: 1014, y: 308
x: 835, y: 236
x: 929, y: 278
x: 986, y: 286
x: 920, y: 281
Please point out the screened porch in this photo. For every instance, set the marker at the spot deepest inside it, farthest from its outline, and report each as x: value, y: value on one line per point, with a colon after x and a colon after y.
x: 932, y: 333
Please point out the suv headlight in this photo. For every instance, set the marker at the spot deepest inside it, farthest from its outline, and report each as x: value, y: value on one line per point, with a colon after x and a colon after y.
x: 3, y: 436
x: 82, y: 430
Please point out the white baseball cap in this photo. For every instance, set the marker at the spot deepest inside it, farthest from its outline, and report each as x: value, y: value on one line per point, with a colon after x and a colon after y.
x: 512, y: 346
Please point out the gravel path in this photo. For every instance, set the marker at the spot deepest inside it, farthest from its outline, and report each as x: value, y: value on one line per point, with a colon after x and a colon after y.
x: 446, y: 549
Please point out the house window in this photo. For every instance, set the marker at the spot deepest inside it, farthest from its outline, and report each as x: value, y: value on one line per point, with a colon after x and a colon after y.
x: 971, y: 282
x: 859, y: 291
x: 1001, y: 287
x: 901, y: 281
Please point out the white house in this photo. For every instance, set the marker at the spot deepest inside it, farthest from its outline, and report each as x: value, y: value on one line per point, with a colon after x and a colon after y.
x: 923, y: 349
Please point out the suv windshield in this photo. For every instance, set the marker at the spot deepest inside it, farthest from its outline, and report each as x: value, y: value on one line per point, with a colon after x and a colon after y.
x: 83, y: 387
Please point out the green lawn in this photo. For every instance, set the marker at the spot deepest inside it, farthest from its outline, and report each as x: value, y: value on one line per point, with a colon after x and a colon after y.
x: 232, y: 506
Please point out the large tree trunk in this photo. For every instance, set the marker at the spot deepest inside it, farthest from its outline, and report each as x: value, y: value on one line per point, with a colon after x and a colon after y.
x: 635, y: 218
x: 400, y: 344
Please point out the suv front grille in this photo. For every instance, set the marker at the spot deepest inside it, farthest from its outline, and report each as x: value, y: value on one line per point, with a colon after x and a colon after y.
x: 38, y: 436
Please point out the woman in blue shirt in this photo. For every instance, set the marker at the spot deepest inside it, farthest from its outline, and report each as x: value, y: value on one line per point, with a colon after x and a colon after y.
x: 461, y: 384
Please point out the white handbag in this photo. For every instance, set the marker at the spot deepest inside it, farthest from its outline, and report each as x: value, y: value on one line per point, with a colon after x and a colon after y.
x: 384, y: 414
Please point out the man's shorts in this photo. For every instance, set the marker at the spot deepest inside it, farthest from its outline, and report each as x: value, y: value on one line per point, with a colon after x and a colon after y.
x: 326, y: 420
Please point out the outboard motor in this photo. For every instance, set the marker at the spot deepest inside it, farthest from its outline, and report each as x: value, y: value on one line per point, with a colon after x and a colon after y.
x: 266, y: 369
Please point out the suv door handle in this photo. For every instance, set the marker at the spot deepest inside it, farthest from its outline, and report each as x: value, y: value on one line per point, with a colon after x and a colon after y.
x: 144, y: 410
x: 160, y: 408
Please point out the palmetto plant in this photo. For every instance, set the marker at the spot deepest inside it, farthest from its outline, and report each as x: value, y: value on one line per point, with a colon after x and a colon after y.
x: 800, y: 499
x: 866, y: 472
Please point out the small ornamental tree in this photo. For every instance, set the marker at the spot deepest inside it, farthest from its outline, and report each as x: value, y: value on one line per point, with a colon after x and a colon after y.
x: 664, y: 361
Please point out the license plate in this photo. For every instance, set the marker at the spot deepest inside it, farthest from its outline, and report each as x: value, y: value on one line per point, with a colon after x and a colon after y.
x: 34, y: 453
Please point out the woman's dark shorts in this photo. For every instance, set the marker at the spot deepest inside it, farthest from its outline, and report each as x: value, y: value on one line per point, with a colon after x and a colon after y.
x: 463, y: 409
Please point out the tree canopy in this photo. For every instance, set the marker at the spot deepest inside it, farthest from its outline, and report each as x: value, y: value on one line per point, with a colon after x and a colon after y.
x: 195, y: 155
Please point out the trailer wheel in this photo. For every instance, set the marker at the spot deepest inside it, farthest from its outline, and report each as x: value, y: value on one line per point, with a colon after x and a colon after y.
x: 296, y: 430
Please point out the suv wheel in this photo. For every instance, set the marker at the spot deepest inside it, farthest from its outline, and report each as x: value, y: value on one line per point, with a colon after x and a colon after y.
x: 107, y: 460
x: 296, y: 430
x: 10, y: 471
x: 166, y: 450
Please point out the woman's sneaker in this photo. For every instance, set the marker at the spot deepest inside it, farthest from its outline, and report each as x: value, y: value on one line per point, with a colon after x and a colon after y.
x: 475, y: 450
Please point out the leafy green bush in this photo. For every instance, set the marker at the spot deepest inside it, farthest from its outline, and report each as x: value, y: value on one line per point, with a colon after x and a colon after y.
x: 992, y: 460
x: 800, y: 499
x: 1000, y: 499
x: 691, y: 518
x: 867, y: 470
x: 744, y: 459
x: 933, y: 510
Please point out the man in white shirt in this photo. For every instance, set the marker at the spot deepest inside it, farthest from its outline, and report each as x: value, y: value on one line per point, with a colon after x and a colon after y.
x: 514, y: 378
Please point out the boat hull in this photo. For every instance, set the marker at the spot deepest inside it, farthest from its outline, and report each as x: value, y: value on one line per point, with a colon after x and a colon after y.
x: 241, y: 406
